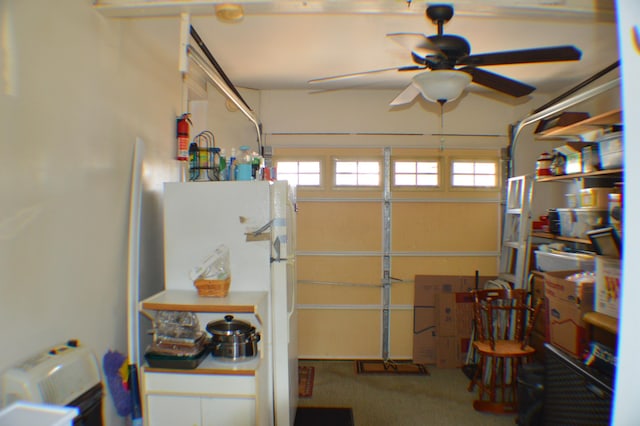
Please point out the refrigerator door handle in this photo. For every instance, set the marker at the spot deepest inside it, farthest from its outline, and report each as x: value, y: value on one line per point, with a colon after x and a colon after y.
x: 276, y: 249
x: 264, y: 228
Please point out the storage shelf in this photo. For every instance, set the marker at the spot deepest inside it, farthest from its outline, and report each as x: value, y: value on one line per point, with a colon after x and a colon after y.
x: 212, y: 366
x: 580, y: 175
x: 189, y: 301
x: 602, y: 321
x: 550, y: 236
x: 584, y: 126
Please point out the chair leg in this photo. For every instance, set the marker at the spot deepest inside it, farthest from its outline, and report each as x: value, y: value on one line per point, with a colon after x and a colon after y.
x: 497, y: 385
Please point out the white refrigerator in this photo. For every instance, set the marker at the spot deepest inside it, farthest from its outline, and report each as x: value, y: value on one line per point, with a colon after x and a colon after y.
x: 255, y: 220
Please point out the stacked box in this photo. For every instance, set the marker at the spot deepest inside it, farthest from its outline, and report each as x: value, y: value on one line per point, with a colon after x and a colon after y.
x: 443, y: 315
x: 607, y: 299
x: 567, y: 302
x: 454, y: 313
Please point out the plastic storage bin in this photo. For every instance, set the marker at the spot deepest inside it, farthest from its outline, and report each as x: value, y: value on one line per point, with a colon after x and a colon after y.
x: 577, y: 222
x: 596, y: 198
x: 30, y: 414
x: 567, y: 220
x: 610, y: 148
x: 589, y: 219
x: 549, y: 262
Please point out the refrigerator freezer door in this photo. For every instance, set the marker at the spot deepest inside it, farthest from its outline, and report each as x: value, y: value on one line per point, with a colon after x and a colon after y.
x: 199, y: 216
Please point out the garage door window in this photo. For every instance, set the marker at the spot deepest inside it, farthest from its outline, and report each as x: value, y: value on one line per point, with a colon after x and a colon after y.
x: 357, y: 173
x: 475, y: 174
x: 410, y: 173
x: 299, y: 173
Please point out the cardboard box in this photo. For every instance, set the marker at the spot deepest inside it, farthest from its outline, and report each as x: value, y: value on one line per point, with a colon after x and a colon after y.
x: 454, y: 319
x: 567, y: 302
x: 607, y: 298
x: 427, y: 287
x: 443, y: 313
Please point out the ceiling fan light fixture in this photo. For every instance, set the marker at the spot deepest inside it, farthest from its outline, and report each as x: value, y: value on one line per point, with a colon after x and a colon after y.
x: 229, y: 12
x: 442, y: 85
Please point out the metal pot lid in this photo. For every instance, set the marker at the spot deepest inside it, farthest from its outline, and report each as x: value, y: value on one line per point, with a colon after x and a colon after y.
x: 229, y: 326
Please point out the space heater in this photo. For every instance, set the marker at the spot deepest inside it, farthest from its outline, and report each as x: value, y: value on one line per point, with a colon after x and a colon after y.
x: 66, y: 375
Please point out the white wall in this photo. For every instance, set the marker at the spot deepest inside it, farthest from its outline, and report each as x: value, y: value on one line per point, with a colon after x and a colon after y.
x: 76, y: 89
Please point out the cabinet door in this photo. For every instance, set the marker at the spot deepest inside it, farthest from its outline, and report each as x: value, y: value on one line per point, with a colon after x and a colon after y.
x: 171, y: 410
x: 221, y: 411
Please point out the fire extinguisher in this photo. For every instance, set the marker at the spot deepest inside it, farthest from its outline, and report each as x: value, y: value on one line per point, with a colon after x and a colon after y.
x: 183, y: 137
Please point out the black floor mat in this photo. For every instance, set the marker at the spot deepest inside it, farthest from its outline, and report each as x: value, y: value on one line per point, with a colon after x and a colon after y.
x: 324, y: 416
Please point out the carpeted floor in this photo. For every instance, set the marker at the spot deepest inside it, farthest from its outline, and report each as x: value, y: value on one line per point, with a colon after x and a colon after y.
x: 439, y: 399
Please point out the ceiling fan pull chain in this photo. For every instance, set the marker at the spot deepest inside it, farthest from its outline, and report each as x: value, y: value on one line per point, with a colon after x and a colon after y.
x: 442, y: 126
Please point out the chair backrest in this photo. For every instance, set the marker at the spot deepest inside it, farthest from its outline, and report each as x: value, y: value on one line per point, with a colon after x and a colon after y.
x: 502, y: 314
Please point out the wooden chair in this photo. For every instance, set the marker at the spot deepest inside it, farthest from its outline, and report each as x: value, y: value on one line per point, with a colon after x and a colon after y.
x: 504, y: 320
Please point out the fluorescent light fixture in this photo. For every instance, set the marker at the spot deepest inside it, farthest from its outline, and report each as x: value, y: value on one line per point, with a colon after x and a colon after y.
x: 442, y: 85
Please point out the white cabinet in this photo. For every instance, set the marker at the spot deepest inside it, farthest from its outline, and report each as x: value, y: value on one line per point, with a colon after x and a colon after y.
x: 200, y: 399
x: 217, y: 392
x: 173, y: 410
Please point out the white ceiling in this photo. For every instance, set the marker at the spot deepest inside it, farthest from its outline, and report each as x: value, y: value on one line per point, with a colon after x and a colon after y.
x: 284, y: 44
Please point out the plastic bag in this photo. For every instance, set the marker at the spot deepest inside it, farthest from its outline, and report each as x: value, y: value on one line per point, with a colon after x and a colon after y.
x: 214, y: 267
x: 176, y: 325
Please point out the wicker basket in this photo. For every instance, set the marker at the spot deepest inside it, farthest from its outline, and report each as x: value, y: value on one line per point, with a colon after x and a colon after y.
x: 212, y: 288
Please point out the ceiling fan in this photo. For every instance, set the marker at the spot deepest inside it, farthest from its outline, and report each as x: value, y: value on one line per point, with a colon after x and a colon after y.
x: 448, y: 67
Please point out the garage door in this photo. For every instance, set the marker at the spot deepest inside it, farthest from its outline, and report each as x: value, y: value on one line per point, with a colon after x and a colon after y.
x: 350, y: 235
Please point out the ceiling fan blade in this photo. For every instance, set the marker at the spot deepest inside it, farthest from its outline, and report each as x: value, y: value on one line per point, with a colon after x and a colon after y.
x: 406, y: 96
x: 544, y: 54
x: 361, y: 73
x: 416, y: 42
x: 498, y: 82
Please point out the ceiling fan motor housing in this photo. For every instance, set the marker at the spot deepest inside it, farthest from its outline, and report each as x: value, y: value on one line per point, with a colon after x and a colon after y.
x: 453, y: 47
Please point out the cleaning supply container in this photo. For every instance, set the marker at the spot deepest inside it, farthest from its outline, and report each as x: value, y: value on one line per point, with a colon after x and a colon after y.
x: 243, y: 164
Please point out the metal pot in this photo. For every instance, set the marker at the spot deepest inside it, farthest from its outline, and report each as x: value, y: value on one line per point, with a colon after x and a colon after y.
x: 233, y: 339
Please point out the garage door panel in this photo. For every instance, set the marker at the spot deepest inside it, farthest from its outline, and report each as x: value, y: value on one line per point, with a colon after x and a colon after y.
x: 347, y: 269
x: 338, y: 334
x: 401, y: 327
x: 339, y: 226
x: 408, y: 267
x: 445, y: 227
x: 402, y: 293
x: 329, y: 294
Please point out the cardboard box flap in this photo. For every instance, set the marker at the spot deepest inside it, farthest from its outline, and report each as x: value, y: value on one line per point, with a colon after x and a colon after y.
x: 579, y: 293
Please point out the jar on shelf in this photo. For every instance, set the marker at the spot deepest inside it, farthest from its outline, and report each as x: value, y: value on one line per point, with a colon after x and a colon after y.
x: 543, y: 165
x: 243, y: 164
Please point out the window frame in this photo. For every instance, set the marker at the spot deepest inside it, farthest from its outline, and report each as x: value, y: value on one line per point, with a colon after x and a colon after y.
x: 496, y: 161
x: 367, y: 159
x: 298, y: 160
x: 439, y: 175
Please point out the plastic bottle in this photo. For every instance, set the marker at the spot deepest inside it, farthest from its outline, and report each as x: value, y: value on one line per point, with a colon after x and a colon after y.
x: 256, y: 165
x: 222, y: 165
x: 194, y: 164
x: 243, y: 164
x: 231, y: 166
